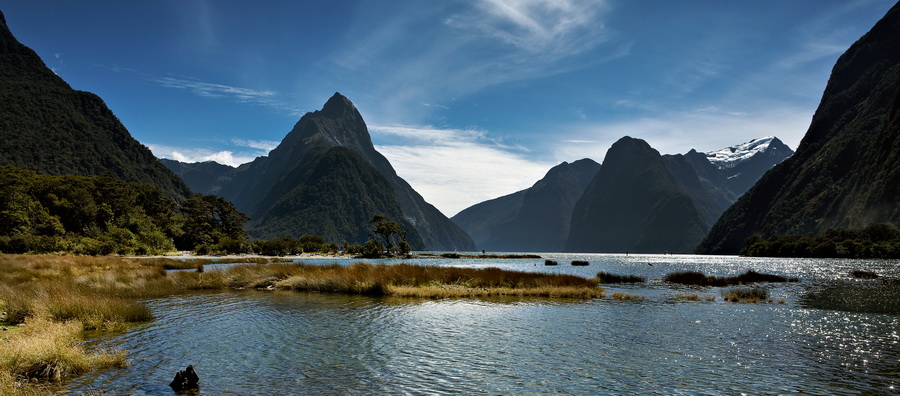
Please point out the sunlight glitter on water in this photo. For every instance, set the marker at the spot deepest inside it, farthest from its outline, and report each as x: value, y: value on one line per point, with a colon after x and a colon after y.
x: 305, y: 343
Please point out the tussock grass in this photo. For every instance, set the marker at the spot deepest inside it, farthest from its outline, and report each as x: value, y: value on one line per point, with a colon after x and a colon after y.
x: 193, y: 263
x: 608, y: 278
x: 699, y: 279
x: 694, y: 297
x: 622, y: 296
x: 57, y: 297
x: 747, y: 294
x: 50, y: 350
x: 459, y: 291
x: 410, y: 280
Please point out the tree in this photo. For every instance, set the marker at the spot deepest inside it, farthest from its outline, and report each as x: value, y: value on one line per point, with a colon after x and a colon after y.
x: 388, y: 234
x: 208, y: 220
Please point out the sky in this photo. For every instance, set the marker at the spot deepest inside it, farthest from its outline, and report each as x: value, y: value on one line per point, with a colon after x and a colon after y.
x: 469, y: 100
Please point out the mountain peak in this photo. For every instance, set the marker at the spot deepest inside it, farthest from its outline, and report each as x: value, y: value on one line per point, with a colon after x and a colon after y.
x: 729, y: 157
x: 337, y: 106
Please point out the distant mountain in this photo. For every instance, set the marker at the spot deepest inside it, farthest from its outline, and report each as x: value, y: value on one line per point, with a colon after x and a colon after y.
x: 638, y: 202
x: 47, y: 126
x: 637, y: 192
x: 846, y: 170
x: 278, y: 190
x: 532, y: 220
x: 203, y: 177
x: 745, y: 163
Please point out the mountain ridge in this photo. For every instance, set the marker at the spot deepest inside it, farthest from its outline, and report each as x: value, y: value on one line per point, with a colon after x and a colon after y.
x: 258, y: 186
x: 844, y: 173
x: 49, y: 127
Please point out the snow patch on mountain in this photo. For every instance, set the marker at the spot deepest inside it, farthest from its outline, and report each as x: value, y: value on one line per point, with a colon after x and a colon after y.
x: 728, y: 157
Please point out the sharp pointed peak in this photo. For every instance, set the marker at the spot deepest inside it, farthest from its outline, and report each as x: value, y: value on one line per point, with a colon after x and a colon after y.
x: 337, y: 105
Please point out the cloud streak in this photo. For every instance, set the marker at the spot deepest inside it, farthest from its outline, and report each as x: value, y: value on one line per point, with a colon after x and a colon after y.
x: 259, y: 97
x: 465, y: 50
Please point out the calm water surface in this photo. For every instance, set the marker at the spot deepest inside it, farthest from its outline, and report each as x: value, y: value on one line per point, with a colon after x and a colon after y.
x: 828, y: 334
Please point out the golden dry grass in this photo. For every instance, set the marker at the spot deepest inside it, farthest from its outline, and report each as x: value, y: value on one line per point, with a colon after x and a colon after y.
x: 694, y: 297
x: 58, y: 297
x: 622, y: 296
x: 50, y: 350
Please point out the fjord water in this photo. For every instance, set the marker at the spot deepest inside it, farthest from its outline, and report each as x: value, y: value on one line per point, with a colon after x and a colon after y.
x: 826, y: 334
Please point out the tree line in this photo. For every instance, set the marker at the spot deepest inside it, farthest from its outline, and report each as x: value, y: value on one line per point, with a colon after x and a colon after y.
x: 877, y: 240
x: 103, y: 215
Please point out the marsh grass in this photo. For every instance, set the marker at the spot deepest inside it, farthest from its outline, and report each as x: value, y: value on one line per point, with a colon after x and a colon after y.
x: 608, y: 278
x: 410, y: 280
x: 747, y: 294
x: 56, y: 298
x: 59, y: 297
x: 622, y: 296
x: 50, y: 350
x: 699, y: 279
x: 197, y: 263
x: 694, y: 297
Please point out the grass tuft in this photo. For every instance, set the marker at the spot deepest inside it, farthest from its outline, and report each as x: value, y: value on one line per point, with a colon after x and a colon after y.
x: 699, y: 279
x: 608, y: 278
x: 49, y: 350
x: 622, y: 296
x: 747, y: 294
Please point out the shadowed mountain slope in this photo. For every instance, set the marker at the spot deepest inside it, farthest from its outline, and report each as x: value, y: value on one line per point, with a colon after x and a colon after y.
x: 846, y: 170
x: 532, y: 220
x: 47, y: 126
x: 274, y: 189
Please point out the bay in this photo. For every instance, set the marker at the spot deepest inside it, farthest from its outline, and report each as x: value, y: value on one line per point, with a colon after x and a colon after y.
x: 827, y: 334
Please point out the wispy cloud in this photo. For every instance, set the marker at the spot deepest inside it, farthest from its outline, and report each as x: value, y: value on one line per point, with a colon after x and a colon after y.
x: 259, y: 97
x: 454, y: 169
x: 211, y: 90
x: 551, y: 29
x: 265, y: 145
x: 466, y: 49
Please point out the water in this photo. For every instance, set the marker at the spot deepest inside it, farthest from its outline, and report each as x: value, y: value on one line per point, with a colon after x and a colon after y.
x: 812, y: 339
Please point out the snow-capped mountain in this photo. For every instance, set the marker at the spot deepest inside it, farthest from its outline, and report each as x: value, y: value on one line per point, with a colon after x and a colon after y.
x: 729, y: 157
x: 745, y: 163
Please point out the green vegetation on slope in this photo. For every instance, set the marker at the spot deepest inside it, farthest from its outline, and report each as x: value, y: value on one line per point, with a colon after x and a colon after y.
x: 47, y: 126
x: 104, y: 215
x: 335, y: 198
x: 877, y: 240
x: 846, y: 170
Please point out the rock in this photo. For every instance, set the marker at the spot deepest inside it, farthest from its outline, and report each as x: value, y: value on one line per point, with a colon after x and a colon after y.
x: 186, y: 381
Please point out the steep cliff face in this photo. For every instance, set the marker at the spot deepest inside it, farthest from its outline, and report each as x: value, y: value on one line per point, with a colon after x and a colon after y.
x: 532, y: 220
x: 846, y: 170
x: 47, y: 126
x: 269, y: 186
x: 335, y: 197
x: 636, y: 203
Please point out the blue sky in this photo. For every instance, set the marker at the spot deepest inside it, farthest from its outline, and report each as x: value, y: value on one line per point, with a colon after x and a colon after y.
x: 469, y: 100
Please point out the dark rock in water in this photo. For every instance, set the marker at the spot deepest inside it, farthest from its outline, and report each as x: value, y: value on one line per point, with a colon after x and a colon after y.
x: 186, y: 381
x: 580, y: 263
x: 860, y: 274
x: 550, y: 262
